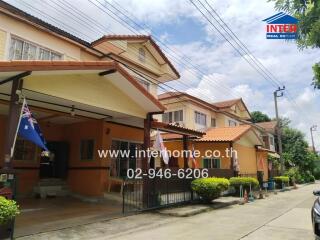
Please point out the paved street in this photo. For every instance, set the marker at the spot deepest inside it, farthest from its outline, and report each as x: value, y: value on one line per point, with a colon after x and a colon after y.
x: 282, y: 216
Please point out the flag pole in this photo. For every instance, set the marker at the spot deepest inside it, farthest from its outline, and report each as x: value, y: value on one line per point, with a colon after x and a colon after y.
x: 17, y: 130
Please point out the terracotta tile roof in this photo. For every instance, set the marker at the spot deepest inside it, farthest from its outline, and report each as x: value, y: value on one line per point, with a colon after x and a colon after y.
x: 23, y: 66
x: 225, y: 134
x: 268, y: 126
x: 177, y: 95
x: 138, y: 37
x: 227, y: 103
x: 170, y: 95
x: 167, y: 127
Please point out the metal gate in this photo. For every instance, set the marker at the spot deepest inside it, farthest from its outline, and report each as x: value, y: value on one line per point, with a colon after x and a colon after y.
x: 151, y: 193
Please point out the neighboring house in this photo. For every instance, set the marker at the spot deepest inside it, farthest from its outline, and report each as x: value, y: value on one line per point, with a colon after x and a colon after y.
x: 267, y: 130
x: 226, y: 126
x: 269, y: 135
x: 86, y: 96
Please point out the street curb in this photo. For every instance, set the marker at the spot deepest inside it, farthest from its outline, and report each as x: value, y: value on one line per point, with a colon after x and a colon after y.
x: 203, y: 209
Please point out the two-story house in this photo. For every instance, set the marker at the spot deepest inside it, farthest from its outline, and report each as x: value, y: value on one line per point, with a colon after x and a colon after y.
x: 226, y: 125
x: 86, y: 96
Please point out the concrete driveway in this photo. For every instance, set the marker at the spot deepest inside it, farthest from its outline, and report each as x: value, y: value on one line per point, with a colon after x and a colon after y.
x: 279, y: 217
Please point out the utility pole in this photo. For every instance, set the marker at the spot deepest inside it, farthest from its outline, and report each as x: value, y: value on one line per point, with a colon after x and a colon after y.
x: 276, y: 94
x: 313, y: 129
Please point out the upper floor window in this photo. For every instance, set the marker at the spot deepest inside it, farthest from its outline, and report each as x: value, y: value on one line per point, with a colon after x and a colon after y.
x: 142, y: 55
x: 23, y: 50
x: 174, y: 116
x: 271, y: 140
x: 232, y: 123
x: 200, y: 118
x: 213, y: 122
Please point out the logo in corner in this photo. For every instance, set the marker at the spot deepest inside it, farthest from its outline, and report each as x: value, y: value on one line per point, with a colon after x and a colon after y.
x: 281, y: 26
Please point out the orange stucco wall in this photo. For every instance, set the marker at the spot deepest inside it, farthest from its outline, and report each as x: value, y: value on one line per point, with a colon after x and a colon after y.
x: 86, y: 177
x: 202, y: 147
x: 263, y: 157
x: 247, y: 159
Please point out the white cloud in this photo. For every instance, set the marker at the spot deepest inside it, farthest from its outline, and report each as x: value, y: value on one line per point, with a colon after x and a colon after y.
x: 224, y: 74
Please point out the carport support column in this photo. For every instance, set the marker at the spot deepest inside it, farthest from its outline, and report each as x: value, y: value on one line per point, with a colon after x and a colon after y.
x: 145, y: 160
x: 12, y: 121
x: 185, y: 148
x: 232, y: 167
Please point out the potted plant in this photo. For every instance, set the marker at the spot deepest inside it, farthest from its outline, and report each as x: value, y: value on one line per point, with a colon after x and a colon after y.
x: 8, y: 211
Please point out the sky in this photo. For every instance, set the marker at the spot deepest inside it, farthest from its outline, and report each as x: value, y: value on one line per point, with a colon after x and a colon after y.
x: 210, y: 67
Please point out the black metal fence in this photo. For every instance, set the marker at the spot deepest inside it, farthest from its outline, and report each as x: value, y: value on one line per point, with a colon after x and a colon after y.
x: 150, y: 193
x: 147, y: 193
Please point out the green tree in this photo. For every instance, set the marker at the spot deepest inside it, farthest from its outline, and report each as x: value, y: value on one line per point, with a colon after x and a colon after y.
x: 296, y: 154
x: 308, y: 13
x: 257, y: 116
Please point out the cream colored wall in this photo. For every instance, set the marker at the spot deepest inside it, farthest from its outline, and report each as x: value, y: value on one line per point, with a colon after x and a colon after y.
x: 173, y: 105
x: 189, y: 109
x: 192, y: 108
x: 3, y: 39
x: 42, y: 38
x: 89, y: 89
x: 150, y: 62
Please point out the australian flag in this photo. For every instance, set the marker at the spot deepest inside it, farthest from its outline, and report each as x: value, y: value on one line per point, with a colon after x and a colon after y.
x: 29, y: 128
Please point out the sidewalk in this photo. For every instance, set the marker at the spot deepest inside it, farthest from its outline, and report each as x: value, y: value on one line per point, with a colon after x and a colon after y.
x: 152, y: 225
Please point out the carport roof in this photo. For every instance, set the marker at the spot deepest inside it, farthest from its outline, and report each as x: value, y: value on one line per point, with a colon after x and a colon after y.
x: 225, y: 134
x: 10, y: 69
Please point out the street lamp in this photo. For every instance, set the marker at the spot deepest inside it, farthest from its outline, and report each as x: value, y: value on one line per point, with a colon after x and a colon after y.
x: 313, y: 129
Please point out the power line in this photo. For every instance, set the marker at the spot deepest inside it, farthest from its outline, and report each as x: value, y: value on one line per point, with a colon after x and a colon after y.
x: 140, y: 74
x: 176, y: 60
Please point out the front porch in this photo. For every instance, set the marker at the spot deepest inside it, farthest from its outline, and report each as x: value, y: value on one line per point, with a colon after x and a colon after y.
x: 45, y: 215
x: 81, y: 107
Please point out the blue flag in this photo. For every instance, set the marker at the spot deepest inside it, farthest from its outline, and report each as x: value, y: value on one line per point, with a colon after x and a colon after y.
x: 29, y: 128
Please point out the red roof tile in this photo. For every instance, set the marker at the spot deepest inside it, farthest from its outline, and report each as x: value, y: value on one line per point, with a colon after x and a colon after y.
x: 227, y: 103
x: 225, y: 134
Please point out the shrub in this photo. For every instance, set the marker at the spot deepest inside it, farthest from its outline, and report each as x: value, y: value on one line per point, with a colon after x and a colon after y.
x: 294, y: 175
x: 210, y: 188
x: 308, y: 177
x: 316, y: 172
x: 244, y: 181
x: 281, y: 180
x: 236, y: 182
x: 8, y: 210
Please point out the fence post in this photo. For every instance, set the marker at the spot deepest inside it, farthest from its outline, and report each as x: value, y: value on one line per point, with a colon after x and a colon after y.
x: 123, y: 192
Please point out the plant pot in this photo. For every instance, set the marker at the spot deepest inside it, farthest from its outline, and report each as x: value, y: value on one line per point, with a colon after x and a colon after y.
x: 6, y: 230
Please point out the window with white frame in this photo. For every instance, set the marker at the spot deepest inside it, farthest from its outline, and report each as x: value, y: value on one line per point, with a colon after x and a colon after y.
x: 213, y: 122
x: 271, y: 140
x: 174, y: 116
x: 24, y: 50
x: 211, y: 163
x: 232, y: 123
x: 200, y: 118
